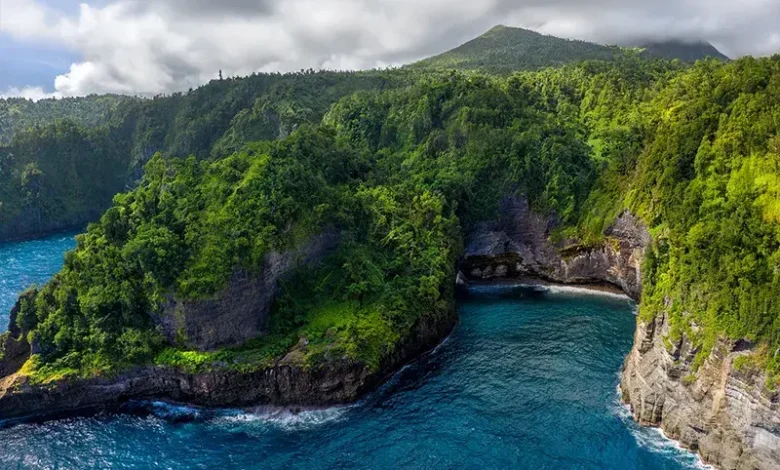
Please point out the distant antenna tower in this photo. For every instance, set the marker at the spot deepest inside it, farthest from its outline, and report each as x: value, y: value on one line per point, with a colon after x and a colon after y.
x: 220, y: 74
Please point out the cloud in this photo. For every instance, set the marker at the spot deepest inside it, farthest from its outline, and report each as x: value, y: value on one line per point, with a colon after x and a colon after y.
x: 158, y: 46
x: 34, y: 93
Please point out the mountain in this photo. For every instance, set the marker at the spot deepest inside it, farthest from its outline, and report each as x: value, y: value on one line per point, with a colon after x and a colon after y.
x: 504, y: 49
x: 685, y: 51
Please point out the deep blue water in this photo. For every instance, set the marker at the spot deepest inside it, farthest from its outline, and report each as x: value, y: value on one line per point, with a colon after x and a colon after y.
x: 527, y: 381
x: 26, y: 263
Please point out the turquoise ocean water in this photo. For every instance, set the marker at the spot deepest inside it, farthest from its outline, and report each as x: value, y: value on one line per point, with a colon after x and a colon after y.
x: 526, y: 381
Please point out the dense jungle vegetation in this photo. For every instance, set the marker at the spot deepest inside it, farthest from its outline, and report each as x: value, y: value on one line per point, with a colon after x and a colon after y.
x: 403, y: 173
x: 402, y: 163
x: 61, y: 173
x: 57, y: 175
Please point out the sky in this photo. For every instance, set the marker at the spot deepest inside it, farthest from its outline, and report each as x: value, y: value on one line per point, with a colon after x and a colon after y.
x: 147, y: 47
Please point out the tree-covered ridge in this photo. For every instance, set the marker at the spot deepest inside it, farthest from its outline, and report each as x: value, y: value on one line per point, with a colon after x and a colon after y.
x: 74, y: 184
x: 19, y: 114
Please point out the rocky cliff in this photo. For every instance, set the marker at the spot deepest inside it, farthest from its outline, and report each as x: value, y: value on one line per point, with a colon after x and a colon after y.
x: 727, y: 415
x: 240, y: 311
x: 285, y: 383
x: 236, y: 314
x: 517, y: 246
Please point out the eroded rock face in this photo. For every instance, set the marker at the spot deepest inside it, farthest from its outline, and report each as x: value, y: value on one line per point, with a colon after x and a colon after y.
x: 240, y: 311
x: 285, y: 383
x: 518, y: 245
x: 728, y: 416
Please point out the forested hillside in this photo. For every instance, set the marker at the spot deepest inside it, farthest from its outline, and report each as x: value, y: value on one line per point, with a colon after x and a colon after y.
x: 49, y: 181
x: 18, y: 114
x: 60, y: 174
x: 403, y: 173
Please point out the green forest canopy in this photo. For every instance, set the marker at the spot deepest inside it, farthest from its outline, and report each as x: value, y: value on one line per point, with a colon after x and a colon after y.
x: 403, y: 173
x: 61, y: 161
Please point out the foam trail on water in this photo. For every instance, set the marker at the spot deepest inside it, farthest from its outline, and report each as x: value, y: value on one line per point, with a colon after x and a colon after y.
x: 548, y: 288
x: 563, y: 290
x: 282, y: 417
x: 288, y: 418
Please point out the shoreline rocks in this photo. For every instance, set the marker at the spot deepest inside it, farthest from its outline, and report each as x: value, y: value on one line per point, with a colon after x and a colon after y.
x: 332, y: 383
x: 726, y: 415
x: 518, y: 246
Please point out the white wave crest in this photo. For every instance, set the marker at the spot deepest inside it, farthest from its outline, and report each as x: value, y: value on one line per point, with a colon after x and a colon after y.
x: 564, y: 290
x: 555, y: 289
x: 282, y: 417
x: 655, y: 440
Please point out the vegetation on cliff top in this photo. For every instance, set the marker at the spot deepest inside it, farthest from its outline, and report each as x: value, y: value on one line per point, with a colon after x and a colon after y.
x: 403, y: 174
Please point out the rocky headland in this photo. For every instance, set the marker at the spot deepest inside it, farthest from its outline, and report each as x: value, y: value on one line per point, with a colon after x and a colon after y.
x: 727, y: 415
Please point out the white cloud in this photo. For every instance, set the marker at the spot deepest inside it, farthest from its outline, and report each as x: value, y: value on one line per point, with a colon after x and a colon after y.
x: 149, y: 47
x: 30, y: 93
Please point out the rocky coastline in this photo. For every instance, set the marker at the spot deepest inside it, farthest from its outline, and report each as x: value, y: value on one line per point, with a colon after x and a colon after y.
x: 726, y: 415
x: 286, y: 383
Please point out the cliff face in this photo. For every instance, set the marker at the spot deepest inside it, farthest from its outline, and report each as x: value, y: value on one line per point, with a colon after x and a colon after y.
x: 240, y: 311
x: 517, y: 245
x: 285, y: 383
x: 727, y: 415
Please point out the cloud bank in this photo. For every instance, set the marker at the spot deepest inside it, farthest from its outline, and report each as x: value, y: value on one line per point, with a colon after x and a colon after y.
x: 159, y: 46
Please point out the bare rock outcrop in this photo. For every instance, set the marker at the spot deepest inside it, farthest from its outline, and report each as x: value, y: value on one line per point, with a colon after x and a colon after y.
x: 728, y: 416
x: 518, y: 245
x: 240, y: 311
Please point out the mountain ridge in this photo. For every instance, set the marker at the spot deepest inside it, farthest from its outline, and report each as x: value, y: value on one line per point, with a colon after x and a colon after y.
x: 504, y: 49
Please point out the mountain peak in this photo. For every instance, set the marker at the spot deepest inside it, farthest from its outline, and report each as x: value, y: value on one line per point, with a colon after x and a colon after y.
x: 687, y: 51
x: 504, y: 49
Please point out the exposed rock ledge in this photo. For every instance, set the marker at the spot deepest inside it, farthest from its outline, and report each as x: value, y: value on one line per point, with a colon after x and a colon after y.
x: 517, y: 245
x: 286, y: 383
x: 728, y: 416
